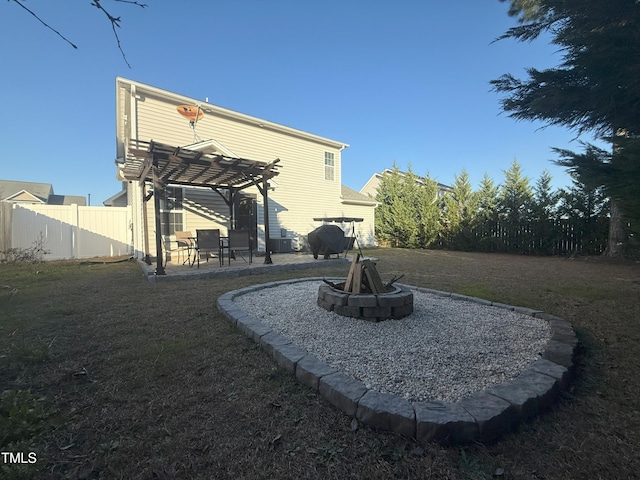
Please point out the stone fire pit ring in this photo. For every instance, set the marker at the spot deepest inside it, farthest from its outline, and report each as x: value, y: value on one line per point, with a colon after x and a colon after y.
x: 396, y: 303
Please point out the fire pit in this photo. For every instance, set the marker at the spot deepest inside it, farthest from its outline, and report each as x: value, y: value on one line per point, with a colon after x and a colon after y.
x: 363, y: 295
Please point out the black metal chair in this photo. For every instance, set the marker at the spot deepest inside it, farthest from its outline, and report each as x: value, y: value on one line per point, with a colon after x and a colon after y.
x: 207, y: 242
x: 239, y: 241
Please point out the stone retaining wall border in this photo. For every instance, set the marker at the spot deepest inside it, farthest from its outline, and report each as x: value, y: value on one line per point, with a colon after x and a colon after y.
x: 482, y: 417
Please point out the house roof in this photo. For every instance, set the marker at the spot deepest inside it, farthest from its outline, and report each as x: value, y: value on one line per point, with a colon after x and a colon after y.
x: 181, y: 166
x: 10, y: 189
x: 351, y: 196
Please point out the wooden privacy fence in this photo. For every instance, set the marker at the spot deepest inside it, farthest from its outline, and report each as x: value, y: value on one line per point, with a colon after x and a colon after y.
x: 67, y: 231
x: 555, y: 237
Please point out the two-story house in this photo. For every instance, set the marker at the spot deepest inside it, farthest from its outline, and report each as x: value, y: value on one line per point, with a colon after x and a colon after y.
x: 217, y: 168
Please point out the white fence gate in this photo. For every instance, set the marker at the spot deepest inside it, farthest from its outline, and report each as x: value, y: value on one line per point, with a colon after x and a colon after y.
x: 72, y: 231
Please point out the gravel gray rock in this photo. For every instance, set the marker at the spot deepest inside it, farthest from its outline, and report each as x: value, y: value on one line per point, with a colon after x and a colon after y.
x: 446, y: 350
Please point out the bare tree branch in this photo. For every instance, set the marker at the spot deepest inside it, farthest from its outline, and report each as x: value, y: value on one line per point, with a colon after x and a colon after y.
x: 115, y: 22
x: 45, y: 24
x: 133, y: 2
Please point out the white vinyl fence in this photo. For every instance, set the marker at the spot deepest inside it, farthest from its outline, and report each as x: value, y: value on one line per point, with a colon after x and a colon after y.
x: 69, y: 231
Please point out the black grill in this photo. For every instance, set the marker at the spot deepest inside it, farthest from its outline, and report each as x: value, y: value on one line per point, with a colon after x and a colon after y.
x: 326, y: 240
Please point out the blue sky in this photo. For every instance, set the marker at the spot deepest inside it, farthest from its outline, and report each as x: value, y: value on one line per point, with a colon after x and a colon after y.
x: 404, y: 81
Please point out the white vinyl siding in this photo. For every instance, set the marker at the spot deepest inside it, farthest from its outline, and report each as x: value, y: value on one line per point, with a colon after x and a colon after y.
x: 204, y: 209
x: 300, y: 193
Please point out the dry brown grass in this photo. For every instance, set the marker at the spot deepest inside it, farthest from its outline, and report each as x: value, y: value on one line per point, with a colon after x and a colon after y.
x: 150, y: 381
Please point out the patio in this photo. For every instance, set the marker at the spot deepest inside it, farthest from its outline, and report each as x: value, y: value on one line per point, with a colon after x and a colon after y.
x: 175, y: 270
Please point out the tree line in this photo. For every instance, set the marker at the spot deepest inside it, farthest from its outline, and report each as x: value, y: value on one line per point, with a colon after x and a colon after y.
x: 596, y: 90
x: 514, y: 216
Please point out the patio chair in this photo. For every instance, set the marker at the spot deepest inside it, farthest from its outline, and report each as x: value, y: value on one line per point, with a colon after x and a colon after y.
x: 208, y: 241
x: 239, y: 241
x: 182, y: 243
x: 185, y: 241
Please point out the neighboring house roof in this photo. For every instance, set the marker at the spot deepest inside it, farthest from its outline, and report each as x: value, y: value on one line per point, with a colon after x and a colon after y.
x: 117, y: 199
x: 34, y: 192
x: 353, y: 197
x: 23, y: 197
x: 371, y: 187
x: 67, y: 200
x: 31, y: 192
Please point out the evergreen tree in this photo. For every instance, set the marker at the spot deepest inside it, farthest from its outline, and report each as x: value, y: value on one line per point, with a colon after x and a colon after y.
x: 514, y: 203
x: 408, y: 210
x: 543, y: 214
x: 460, y: 210
x: 595, y: 89
x: 583, y: 210
x: 622, y: 171
x: 409, y: 214
x: 391, y: 216
x: 397, y: 218
x: 429, y: 212
x: 486, y: 223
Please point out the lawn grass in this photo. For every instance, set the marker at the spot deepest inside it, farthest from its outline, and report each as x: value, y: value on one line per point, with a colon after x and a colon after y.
x: 126, y: 379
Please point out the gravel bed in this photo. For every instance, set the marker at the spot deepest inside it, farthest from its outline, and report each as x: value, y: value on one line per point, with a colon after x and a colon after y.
x: 445, y: 350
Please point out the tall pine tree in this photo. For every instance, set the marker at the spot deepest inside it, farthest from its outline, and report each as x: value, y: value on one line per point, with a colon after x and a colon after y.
x: 595, y: 89
x: 514, y: 208
x: 544, y: 205
x: 486, y: 223
x: 394, y: 217
x: 429, y: 212
x: 460, y: 209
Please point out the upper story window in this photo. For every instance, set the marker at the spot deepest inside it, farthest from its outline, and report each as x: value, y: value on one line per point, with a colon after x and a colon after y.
x: 329, y: 166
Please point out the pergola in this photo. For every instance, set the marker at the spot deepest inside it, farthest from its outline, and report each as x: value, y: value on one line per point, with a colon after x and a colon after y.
x: 163, y: 165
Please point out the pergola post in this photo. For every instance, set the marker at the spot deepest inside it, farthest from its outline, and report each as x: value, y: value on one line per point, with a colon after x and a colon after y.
x: 232, y: 220
x: 265, y: 201
x: 228, y: 200
x: 156, y: 206
x: 145, y: 223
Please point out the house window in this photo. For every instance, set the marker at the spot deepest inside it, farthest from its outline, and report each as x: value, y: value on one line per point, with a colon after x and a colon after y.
x: 329, y: 166
x: 171, y: 210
